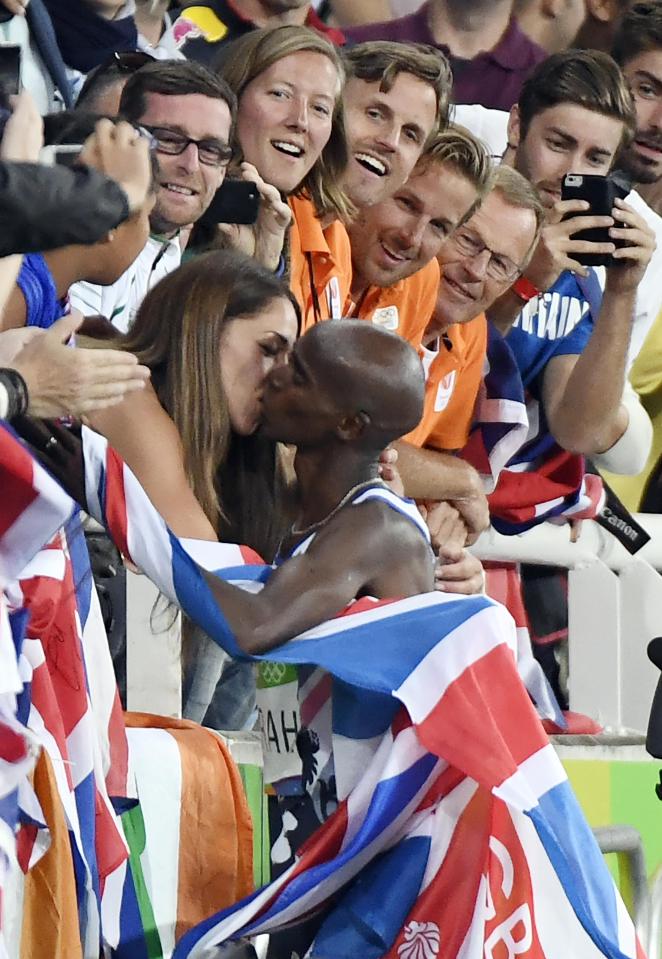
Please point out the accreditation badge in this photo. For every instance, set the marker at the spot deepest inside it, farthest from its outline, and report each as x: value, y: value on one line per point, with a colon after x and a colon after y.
x: 278, y: 705
x: 387, y: 317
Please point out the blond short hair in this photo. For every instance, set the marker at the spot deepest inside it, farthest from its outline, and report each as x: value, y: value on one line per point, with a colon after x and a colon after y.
x: 466, y: 154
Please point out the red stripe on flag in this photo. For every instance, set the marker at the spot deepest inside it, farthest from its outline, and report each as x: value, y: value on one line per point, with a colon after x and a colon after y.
x: 484, y: 723
x: 364, y: 605
x: 512, y: 929
x: 116, y: 513
x: 250, y: 557
x: 442, y: 786
x: 447, y: 906
x: 110, y: 849
x: 317, y: 697
x: 118, y: 773
x: 18, y: 490
x: 25, y: 840
x: 325, y: 843
x: 13, y: 746
x: 323, y: 846
x: 402, y: 721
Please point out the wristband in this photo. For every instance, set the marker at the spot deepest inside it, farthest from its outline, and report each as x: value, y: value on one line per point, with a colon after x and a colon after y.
x: 17, y: 392
x: 525, y: 289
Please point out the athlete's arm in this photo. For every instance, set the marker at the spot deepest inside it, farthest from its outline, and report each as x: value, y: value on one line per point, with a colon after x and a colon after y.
x: 143, y: 434
x: 366, y: 550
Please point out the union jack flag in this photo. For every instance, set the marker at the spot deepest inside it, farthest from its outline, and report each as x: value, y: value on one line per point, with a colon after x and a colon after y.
x: 457, y: 833
x: 65, y: 697
x: 32, y: 507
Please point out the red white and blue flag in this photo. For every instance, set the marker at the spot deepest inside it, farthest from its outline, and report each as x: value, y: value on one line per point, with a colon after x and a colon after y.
x: 501, y: 422
x: 457, y: 833
x: 32, y: 507
x: 65, y: 696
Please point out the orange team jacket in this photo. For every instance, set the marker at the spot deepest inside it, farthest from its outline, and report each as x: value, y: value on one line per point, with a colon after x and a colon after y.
x: 323, y: 252
x: 453, y: 376
x: 404, y: 308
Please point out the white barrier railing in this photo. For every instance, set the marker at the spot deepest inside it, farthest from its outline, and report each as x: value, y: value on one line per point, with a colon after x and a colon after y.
x: 614, y: 610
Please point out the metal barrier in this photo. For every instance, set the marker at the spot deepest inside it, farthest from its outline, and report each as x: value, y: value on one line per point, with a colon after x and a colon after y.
x: 654, y: 942
x: 614, y: 610
x: 625, y: 841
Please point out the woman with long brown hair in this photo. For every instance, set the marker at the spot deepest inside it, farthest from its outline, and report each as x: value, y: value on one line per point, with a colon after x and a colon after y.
x: 209, y: 333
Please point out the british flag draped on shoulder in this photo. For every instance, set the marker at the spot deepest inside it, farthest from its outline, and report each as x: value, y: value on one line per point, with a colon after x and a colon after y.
x: 457, y: 833
x: 68, y: 700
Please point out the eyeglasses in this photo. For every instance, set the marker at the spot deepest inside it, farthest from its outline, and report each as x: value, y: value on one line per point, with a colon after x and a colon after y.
x: 172, y: 143
x: 499, y: 267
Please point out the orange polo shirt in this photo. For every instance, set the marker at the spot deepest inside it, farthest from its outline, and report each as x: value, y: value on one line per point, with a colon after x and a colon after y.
x: 404, y: 308
x: 326, y: 254
x: 453, y: 376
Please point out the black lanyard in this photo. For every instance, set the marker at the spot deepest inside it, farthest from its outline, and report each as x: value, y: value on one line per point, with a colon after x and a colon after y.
x: 317, y: 312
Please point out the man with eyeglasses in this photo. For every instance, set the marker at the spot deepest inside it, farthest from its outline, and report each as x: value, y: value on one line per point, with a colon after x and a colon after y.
x: 481, y: 260
x: 189, y: 113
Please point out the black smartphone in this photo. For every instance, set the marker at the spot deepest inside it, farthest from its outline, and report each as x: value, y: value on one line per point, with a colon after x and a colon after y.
x: 601, y: 192
x: 235, y: 201
x: 10, y: 69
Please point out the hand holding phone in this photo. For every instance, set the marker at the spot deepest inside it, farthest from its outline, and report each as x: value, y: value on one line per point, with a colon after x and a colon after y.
x: 601, y: 193
x: 235, y: 201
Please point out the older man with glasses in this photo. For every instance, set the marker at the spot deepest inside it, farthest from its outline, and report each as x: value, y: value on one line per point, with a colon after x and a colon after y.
x: 189, y: 113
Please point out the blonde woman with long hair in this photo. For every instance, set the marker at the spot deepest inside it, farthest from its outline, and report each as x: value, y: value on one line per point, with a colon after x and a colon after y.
x: 288, y: 82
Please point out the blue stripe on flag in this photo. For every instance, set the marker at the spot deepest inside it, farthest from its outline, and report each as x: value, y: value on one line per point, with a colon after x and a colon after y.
x: 85, y: 797
x: 195, y: 597
x: 80, y: 566
x: 248, y: 573
x: 388, y: 800
x: 9, y: 809
x: 360, y: 713
x: 375, y: 655
x: 132, y: 939
x: 369, y: 917
x: 577, y: 861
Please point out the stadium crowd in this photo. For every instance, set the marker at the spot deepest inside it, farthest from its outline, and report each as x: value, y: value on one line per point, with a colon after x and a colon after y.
x: 343, y: 283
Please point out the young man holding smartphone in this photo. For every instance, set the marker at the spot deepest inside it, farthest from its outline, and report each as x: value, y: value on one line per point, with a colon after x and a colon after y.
x: 572, y: 341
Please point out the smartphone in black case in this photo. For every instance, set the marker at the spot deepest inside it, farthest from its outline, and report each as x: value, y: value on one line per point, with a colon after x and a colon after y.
x: 235, y: 201
x: 600, y: 192
x: 10, y: 69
